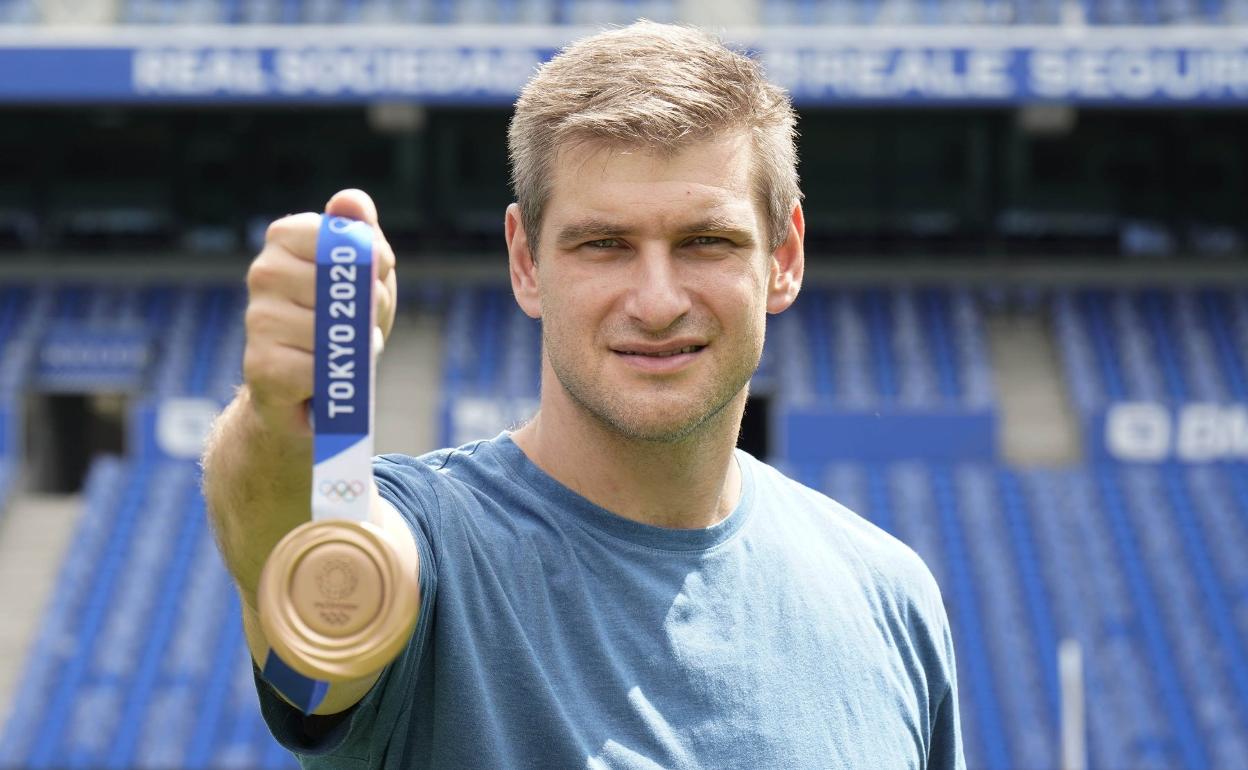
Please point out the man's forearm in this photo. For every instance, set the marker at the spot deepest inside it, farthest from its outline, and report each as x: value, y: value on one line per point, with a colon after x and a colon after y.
x: 257, y: 487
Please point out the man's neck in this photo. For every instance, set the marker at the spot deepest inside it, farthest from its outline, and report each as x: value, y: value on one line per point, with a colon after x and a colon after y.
x: 688, y: 484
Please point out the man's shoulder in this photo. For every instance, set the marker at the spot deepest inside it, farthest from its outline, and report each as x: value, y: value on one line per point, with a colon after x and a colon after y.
x: 886, y: 560
x: 420, y: 484
x: 446, y: 463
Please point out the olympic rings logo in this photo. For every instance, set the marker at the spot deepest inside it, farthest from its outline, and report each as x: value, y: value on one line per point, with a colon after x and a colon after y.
x: 341, y: 491
x: 335, y: 618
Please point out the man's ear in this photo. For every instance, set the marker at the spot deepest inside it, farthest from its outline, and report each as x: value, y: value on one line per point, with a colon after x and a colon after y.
x: 788, y: 264
x: 522, y: 265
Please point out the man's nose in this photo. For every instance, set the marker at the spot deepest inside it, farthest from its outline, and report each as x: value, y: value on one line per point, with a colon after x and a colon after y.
x: 658, y: 298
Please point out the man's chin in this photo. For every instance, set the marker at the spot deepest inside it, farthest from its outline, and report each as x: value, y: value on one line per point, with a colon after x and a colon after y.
x: 649, y: 413
x: 652, y: 423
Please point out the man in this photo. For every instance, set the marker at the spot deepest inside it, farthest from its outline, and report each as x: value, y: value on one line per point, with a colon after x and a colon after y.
x: 613, y: 585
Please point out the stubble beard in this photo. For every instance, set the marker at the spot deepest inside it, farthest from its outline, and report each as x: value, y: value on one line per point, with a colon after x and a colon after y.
x: 614, y: 412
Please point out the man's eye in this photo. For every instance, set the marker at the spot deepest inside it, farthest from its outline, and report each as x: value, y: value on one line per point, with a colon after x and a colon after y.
x: 707, y: 240
x: 603, y: 243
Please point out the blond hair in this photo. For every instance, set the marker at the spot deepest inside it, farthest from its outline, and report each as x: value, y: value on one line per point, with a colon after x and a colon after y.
x: 654, y: 86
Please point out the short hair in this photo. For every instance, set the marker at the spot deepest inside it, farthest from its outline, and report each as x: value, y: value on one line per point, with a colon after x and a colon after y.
x: 654, y: 86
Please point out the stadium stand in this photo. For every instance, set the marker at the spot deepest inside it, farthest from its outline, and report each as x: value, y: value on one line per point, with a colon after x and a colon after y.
x: 392, y: 11
x: 1131, y: 561
x: 577, y: 12
x: 1161, y: 346
x: 140, y: 662
x: 1043, y: 12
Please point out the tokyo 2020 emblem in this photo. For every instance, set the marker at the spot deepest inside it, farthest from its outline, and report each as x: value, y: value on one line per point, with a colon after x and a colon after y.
x: 336, y: 579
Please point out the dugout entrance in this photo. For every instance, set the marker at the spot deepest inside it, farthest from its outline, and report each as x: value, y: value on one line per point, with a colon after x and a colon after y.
x: 65, y: 431
x: 755, y: 435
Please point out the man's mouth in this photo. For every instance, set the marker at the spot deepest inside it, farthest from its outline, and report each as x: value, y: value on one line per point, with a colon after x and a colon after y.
x: 661, y: 353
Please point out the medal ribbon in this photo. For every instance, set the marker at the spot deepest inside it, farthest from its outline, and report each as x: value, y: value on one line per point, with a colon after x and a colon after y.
x: 342, y: 402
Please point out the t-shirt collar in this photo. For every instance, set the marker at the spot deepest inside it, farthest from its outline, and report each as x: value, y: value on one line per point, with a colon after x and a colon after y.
x: 648, y: 535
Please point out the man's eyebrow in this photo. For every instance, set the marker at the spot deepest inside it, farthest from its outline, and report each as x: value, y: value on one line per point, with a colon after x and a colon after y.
x: 589, y: 228
x: 714, y: 224
x: 586, y: 229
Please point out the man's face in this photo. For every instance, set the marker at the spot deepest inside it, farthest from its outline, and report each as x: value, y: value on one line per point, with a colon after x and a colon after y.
x: 653, y: 281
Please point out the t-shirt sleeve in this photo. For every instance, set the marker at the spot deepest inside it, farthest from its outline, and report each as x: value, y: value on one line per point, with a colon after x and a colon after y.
x: 946, y: 740
x: 945, y: 736
x: 349, y: 740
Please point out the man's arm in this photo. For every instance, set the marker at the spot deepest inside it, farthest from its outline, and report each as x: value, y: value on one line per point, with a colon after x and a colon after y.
x: 258, y: 459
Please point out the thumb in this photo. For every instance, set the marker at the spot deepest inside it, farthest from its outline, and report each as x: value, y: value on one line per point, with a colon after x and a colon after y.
x: 354, y: 204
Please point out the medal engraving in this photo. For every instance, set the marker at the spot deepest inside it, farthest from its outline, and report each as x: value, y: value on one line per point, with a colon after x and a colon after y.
x: 337, y: 601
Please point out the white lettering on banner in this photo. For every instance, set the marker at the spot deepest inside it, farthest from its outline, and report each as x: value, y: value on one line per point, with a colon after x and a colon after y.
x: 1210, y: 432
x: 198, y: 71
x: 182, y: 424
x: 328, y: 71
x: 1138, y: 432
x: 342, y: 371
x: 884, y: 73
x: 1139, y: 73
x: 341, y: 336
x: 331, y: 71
x: 1097, y: 70
x: 1197, y: 433
x: 988, y: 73
x: 343, y: 333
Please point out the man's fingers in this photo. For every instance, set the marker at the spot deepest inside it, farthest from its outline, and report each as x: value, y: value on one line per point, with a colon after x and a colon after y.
x: 278, y: 374
x: 354, y: 204
x: 280, y: 321
x: 296, y: 233
x: 383, y: 255
x: 283, y: 323
x: 384, y: 301
x: 279, y: 272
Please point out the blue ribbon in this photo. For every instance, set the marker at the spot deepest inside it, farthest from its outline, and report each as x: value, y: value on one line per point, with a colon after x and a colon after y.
x: 303, y: 693
x: 342, y: 403
x: 342, y: 390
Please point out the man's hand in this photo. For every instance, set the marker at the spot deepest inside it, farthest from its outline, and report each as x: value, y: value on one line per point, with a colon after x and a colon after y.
x: 258, y: 458
x: 277, y: 360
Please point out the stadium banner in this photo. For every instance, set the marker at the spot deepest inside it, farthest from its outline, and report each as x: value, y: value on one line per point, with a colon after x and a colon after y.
x: 824, y: 434
x: 466, y: 64
x: 79, y: 358
x: 470, y: 418
x: 1152, y: 432
x: 171, y: 428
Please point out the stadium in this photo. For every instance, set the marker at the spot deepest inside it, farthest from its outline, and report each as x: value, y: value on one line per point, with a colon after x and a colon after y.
x: 1021, y: 346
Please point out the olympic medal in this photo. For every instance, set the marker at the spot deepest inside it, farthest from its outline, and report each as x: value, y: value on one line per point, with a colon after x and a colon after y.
x: 337, y: 600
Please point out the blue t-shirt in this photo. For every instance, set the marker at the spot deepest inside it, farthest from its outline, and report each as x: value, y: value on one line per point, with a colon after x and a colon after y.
x: 555, y: 634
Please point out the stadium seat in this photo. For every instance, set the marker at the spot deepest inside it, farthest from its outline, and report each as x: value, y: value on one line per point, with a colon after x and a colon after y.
x: 1142, y: 565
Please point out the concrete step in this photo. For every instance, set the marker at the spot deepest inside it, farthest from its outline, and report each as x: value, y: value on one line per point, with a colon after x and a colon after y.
x: 408, y: 382
x: 1038, y: 424
x: 35, y: 532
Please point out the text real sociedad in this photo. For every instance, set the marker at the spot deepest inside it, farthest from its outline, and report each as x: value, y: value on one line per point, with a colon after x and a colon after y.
x: 932, y: 72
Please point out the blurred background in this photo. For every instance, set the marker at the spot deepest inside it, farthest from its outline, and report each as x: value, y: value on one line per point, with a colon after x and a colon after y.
x: 1022, y: 347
